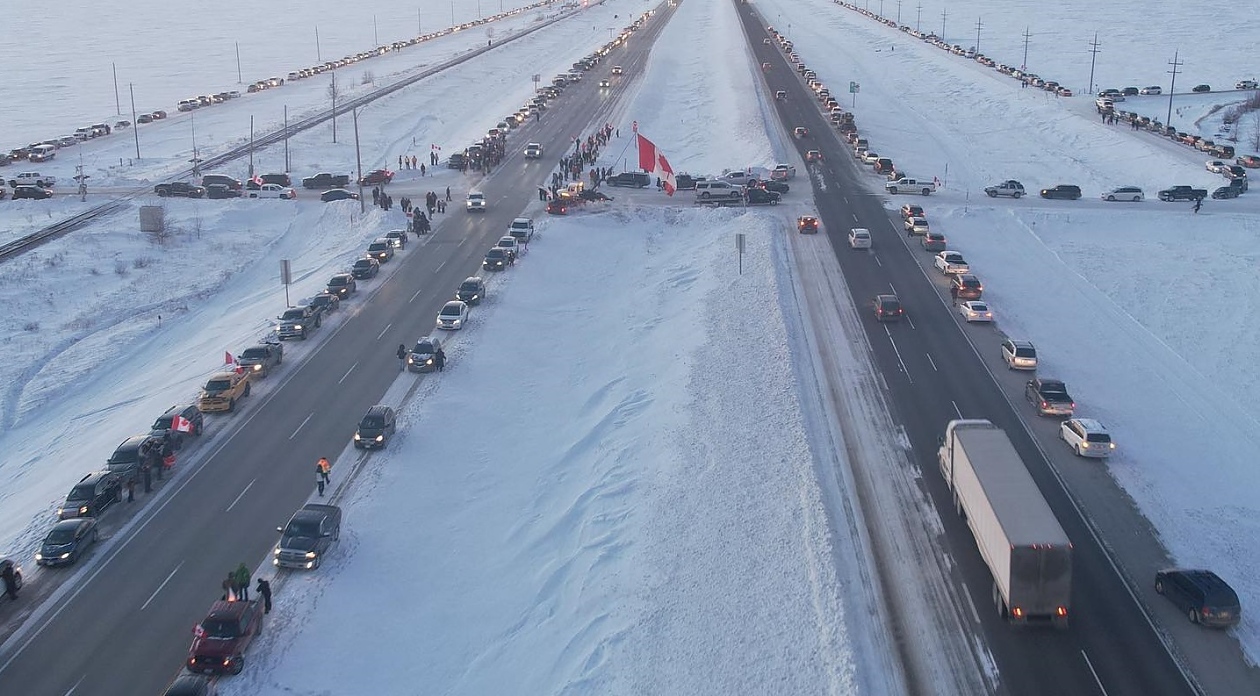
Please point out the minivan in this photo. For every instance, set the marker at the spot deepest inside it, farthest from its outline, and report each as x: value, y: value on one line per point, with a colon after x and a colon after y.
x: 1202, y: 595
x: 43, y: 153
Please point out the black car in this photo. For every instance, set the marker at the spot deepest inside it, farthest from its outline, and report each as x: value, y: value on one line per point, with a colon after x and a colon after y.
x: 191, y: 685
x: 261, y: 359
x: 179, y: 188
x: 365, y: 268
x: 496, y: 260
x: 190, y: 423
x: 144, y: 118
x: 91, y: 495
x: 338, y: 194
x: 376, y: 428
x: 221, y: 180
x: 308, y: 536
x: 779, y: 187
x: 684, y: 182
x: 759, y: 196
x: 128, y: 456
x: 1202, y: 88
x: 1068, y: 192
x: 326, y: 302
x: 67, y: 541
x: 221, y: 191
x: 1204, y: 597
x: 342, y: 285
x: 1226, y: 192
x: 32, y: 192
x: 472, y: 290
x: 631, y: 179
x: 888, y: 308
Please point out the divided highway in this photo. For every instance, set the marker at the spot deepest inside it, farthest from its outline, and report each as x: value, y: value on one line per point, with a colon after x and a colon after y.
x: 124, y: 630
x: 934, y: 375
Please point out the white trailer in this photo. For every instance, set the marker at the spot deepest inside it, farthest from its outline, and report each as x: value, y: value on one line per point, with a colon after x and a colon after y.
x: 1020, y: 540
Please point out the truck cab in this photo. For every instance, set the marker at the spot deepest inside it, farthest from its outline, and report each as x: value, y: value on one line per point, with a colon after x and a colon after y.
x: 308, y: 536
x: 221, y: 639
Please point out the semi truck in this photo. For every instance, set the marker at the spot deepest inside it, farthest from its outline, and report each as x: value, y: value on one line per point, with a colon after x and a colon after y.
x: 1020, y: 540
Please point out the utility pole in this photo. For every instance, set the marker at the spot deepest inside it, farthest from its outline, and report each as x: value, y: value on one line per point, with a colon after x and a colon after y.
x: 117, y: 103
x: 943, y: 13
x: 333, y: 89
x: 318, y: 58
x: 978, y: 25
x: 1172, y: 87
x: 251, y: 146
x: 1094, y: 48
x: 898, y: 13
x: 881, y: 9
x: 196, y: 161
x: 376, y: 38
x: 239, y: 79
x: 419, y: 31
x: 918, y: 18
x: 1027, y: 35
x: 358, y: 159
x: 452, y: 14
x: 286, y: 139
x: 135, y: 130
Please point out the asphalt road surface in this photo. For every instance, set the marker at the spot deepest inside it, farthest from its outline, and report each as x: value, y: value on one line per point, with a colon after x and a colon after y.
x: 125, y: 629
x: 934, y: 375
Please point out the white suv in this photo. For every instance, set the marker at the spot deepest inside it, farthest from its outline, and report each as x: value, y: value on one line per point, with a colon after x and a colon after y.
x: 1087, y: 437
x: 859, y: 238
x: 1019, y: 355
x: 718, y: 189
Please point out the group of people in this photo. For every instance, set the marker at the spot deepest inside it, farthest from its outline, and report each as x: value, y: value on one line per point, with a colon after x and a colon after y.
x: 405, y: 162
x: 236, y: 588
x: 382, y: 199
x: 439, y: 358
x: 155, y: 458
x: 585, y: 153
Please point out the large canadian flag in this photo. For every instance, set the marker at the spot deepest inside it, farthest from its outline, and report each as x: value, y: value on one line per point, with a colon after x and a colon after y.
x: 181, y: 424
x: 653, y: 161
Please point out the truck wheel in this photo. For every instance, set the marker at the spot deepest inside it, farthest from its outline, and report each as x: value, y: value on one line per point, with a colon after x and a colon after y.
x: 1194, y: 616
x: 231, y: 405
x: 163, y: 193
x: 992, y: 194
x: 704, y: 195
x: 247, y: 386
x: 1016, y: 195
x: 892, y: 190
x: 238, y: 665
x: 926, y: 191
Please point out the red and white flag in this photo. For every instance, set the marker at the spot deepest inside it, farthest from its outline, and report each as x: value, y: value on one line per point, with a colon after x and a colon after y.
x: 653, y: 161
x: 230, y: 361
x: 435, y: 147
x: 181, y: 424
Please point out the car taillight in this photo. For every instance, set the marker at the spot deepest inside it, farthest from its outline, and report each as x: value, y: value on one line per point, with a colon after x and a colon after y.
x: 1061, y: 611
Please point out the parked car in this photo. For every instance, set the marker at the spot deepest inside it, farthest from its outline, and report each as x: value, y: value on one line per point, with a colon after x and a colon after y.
x: 888, y: 308
x: 221, y: 639
x: 472, y: 291
x: 273, y: 191
x: 91, y: 496
x: 807, y: 224
x: 1199, y: 89
x: 1123, y: 193
x: 338, y: 194
x: 31, y: 192
x: 951, y: 263
x: 1049, y: 396
x: 375, y: 428
x: 975, y: 310
x: 496, y: 260
x: 262, y: 358
x: 342, y: 285
x: 1182, y: 193
x: 522, y: 228
x: 934, y: 242
x: 908, y: 211
x: 1204, y: 597
x: 129, y: 455
x: 377, y: 177
x: 1087, y: 437
x: 310, y: 533
x: 222, y: 391
x: 179, y: 188
x: 397, y: 238
x: 1153, y: 90
x: 381, y: 249
x: 179, y: 422
x: 423, y: 356
x: 1019, y: 355
x: 67, y: 541
x: 1226, y: 192
x: 1069, y: 192
x: 364, y: 268
x: 221, y: 191
x: 454, y: 315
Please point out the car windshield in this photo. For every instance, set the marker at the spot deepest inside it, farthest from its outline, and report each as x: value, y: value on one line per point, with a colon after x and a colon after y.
x: 162, y: 423
x: 218, y: 385
x: 362, y: 263
x: 337, y: 281
x: 378, y: 246
x: 60, y: 536
x: 451, y: 311
x: 469, y: 287
x: 494, y: 254
x: 423, y: 347
x: 292, y: 314
x: 1098, y: 437
x: 372, y: 422
x: 475, y: 196
x: 84, y: 492
x: 253, y: 353
x: 979, y: 307
x: 302, y: 528
x: 220, y: 628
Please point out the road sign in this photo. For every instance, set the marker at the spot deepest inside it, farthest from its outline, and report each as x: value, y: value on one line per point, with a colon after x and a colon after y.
x: 854, y: 88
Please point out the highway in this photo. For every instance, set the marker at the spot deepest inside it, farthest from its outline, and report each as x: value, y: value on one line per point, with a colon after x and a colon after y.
x: 934, y: 375
x: 125, y: 629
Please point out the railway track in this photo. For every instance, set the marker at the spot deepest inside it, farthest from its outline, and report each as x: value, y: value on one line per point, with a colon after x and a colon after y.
x: 59, y: 229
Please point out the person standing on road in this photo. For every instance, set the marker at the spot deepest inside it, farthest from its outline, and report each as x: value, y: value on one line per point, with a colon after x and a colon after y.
x: 422, y: 170
x: 402, y: 357
x: 131, y: 490
x: 264, y: 591
x: 439, y: 359
x: 146, y: 472
x: 10, y: 582
x: 229, y: 588
x: 448, y: 194
x: 953, y: 293
x: 325, y: 468
x: 319, y: 480
x: 1198, y: 203
x: 242, y: 582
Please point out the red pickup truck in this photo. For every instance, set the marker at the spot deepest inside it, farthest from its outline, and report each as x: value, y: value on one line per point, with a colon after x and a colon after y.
x: 221, y: 639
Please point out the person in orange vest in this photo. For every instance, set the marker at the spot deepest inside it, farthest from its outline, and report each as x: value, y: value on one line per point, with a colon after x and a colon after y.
x: 324, y: 468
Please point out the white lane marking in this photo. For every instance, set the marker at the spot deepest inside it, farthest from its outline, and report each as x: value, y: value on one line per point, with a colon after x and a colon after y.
x: 440, y: 265
x: 343, y: 377
x: 957, y: 410
x: 933, y: 362
x: 242, y: 495
x: 966, y: 593
x: 413, y: 297
x: 910, y: 321
x: 303, y: 423
x: 461, y: 241
x: 898, y: 354
x: 76, y: 685
x: 877, y: 263
x: 382, y: 333
x: 1093, y: 672
x: 149, y: 601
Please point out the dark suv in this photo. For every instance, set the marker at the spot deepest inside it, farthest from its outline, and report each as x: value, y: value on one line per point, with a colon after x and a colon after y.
x: 91, y: 495
x: 221, y: 180
x: 888, y: 308
x: 308, y: 536
x: 376, y: 428
x: 1068, y: 192
x: 127, y: 457
x: 190, y: 420
x: 1202, y: 594
x: 342, y: 285
x: 179, y: 188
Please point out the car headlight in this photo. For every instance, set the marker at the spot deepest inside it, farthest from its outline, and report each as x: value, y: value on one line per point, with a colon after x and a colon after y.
x: 257, y: 368
x: 297, y: 327
x: 83, y: 510
x: 39, y: 556
x: 357, y: 437
x: 310, y: 554
x: 380, y: 438
x: 64, y: 556
x: 61, y: 511
x: 276, y: 551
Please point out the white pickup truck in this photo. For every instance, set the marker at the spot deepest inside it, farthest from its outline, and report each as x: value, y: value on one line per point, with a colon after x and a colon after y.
x: 32, y: 179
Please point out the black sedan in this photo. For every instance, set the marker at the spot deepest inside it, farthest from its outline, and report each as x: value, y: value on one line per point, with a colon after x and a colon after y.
x: 326, y: 302
x: 758, y: 196
x: 365, y: 268
x: 67, y: 541
x: 779, y: 187
x: 33, y: 192
x: 1226, y: 192
x: 338, y: 194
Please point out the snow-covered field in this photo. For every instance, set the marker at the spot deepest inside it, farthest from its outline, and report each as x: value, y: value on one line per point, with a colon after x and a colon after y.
x: 664, y: 536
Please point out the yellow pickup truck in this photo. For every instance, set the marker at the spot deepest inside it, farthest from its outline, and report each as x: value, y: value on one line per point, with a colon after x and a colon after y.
x: 222, y: 390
